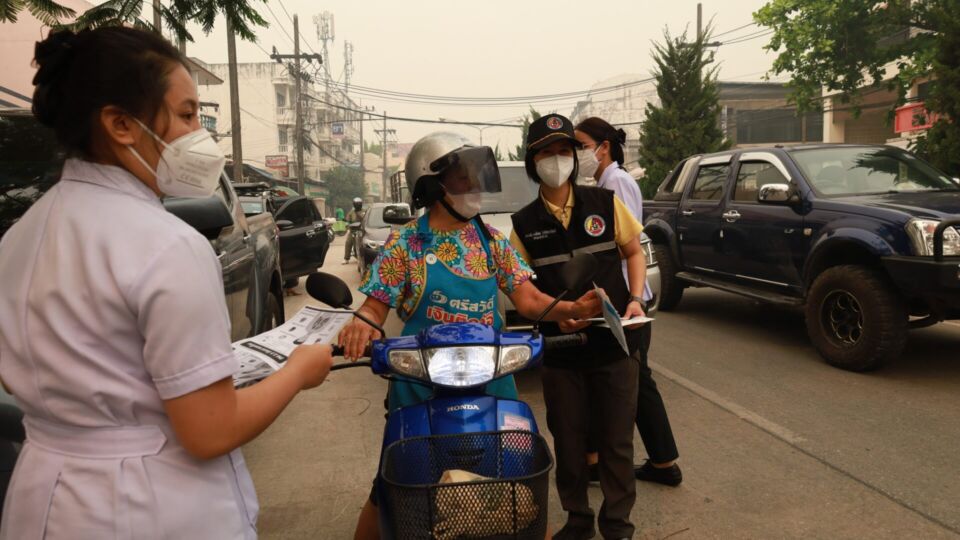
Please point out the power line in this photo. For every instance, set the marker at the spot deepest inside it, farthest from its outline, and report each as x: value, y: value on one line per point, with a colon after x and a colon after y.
x: 416, y: 120
x: 749, y: 24
x: 748, y: 37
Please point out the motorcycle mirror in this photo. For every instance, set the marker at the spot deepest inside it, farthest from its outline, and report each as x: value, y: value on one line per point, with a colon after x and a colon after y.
x: 329, y: 289
x: 332, y: 291
x: 579, y: 271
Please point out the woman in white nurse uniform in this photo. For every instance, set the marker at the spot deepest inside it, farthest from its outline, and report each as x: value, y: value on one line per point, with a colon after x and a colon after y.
x: 114, y: 334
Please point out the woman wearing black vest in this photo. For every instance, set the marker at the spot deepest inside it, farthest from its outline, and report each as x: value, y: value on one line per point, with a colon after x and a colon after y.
x: 595, y: 383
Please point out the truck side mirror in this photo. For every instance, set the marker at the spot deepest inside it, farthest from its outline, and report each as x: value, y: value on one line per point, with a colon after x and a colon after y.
x: 209, y: 215
x: 777, y: 194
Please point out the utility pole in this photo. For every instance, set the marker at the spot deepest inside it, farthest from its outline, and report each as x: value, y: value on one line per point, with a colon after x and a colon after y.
x: 699, y: 20
x: 234, y: 105
x: 384, y: 133
x: 156, y: 16
x: 298, y: 121
x: 297, y: 76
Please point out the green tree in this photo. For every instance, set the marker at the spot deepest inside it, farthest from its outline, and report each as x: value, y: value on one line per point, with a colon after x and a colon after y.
x: 941, y: 143
x: 686, y: 120
x: 845, y: 46
x: 528, y: 119
x: 344, y: 183
x: 242, y: 14
x: 48, y: 12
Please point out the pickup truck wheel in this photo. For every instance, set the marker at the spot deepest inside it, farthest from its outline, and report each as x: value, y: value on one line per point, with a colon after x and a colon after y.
x: 855, y: 319
x: 671, y: 288
x: 271, y: 313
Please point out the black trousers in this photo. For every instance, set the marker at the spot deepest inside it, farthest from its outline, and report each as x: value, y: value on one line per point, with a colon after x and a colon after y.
x: 652, y: 421
x: 604, y: 397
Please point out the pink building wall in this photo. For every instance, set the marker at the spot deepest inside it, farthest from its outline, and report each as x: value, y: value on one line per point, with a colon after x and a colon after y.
x: 16, y: 54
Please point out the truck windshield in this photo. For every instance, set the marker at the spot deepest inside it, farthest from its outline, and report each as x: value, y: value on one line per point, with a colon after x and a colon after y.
x: 30, y: 163
x: 516, y: 191
x: 868, y: 170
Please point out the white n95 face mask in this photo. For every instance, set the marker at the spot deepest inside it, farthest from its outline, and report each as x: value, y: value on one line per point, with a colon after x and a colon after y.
x: 588, y: 162
x: 554, y: 171
x: 189, y: 166
x: 467, y: 204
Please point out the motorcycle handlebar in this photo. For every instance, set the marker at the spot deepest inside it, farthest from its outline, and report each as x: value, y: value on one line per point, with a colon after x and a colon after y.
x: 565, y: 341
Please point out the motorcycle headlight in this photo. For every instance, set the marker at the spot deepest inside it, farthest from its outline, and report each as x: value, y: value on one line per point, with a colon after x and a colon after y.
x: 461, y: 366
x: 513, y: 358
x: 372, y: 244
x: 921, y: 235
x: 407, y: 362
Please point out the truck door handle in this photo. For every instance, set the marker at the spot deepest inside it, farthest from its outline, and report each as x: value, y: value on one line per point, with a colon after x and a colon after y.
x: 688, y: 213
x: 731, y: 216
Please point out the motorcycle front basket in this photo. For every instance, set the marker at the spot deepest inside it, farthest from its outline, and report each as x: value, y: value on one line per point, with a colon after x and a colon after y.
x: 508, y: 500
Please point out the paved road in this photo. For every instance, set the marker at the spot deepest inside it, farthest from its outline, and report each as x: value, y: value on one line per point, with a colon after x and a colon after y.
x: 774, y: 443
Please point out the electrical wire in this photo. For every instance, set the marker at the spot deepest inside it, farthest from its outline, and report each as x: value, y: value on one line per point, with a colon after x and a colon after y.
x: 749, y: 24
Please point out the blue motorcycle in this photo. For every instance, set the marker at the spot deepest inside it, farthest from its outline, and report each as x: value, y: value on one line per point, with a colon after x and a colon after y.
x: 461, y: 464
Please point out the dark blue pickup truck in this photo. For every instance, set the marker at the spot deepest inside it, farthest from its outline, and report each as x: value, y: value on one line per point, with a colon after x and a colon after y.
x: 864, y: 238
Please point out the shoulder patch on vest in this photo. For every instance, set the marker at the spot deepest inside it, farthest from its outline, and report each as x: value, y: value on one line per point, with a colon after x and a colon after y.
x: 594, y: 225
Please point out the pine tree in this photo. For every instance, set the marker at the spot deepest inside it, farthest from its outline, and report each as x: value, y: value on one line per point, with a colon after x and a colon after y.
x: 528, y: 119
x: 686, y: 120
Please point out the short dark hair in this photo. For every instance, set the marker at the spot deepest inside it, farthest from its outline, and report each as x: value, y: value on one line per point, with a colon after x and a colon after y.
x: 600, y: 130
x: 531, y: 166
x: 78, y: 74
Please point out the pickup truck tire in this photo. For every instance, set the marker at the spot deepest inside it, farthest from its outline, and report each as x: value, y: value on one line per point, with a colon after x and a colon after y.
x: 855, y: 319
x: 671, y: 288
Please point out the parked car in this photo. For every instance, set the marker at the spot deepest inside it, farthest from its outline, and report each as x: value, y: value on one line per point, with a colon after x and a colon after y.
x: 518, y: 191
x: 862, y: 237
x: 374, y: 230
x: 304, y: 237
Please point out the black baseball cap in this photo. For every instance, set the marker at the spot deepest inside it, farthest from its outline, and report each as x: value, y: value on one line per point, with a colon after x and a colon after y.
x: 548, y: 129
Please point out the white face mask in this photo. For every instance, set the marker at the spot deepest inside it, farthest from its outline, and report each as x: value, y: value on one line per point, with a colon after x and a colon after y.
x: 554, y: 171
x: 588, y: 161
x: 189, y: 166
x: 467, y: 204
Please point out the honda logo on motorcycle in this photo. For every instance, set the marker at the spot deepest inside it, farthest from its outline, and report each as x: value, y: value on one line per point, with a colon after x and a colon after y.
x: 464, y: 407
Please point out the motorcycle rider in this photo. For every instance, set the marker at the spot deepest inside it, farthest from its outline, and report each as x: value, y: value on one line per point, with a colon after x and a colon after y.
x: 446, y: 266
x: 355, y: 216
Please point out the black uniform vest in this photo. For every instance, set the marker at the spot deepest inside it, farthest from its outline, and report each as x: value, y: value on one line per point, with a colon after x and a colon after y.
x: 592, y: 230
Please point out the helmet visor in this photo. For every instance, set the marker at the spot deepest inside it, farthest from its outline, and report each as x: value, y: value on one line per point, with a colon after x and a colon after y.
x: 468, y: 170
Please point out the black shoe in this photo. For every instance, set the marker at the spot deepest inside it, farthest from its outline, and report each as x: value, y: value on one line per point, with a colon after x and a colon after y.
x: 670, y: 476
x: 571, y: 532
x: 593, y: 472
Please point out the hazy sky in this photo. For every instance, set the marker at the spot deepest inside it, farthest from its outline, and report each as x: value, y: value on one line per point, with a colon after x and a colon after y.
x: 493, y: 48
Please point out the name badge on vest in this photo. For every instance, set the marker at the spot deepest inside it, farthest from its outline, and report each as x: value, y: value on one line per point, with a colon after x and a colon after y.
x: 539, y: 235
x: 594, y: 225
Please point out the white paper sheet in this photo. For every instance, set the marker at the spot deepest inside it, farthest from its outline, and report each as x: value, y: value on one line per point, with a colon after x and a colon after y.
x: 265, y: 353
x: 612, y: 318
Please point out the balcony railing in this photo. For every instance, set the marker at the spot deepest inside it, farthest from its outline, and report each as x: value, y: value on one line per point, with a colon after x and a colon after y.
x: 914, y: 117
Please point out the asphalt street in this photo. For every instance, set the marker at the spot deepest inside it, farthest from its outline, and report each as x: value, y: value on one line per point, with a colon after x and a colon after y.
x: 774, y: 443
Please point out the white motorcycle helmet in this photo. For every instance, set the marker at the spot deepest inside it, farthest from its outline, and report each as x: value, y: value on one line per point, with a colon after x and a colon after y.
x: 436, y: 154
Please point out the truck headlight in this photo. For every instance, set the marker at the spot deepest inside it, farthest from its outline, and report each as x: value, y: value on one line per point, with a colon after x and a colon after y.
x: 372, y: 244
x: 921, y: 232
x: 461, y: 366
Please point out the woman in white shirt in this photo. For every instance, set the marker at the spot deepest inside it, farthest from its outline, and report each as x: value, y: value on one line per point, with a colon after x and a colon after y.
x: 602, y: 158
x: 114, y: 333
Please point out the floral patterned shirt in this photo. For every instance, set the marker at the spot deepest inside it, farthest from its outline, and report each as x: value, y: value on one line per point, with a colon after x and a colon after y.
x: 397, y: 276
